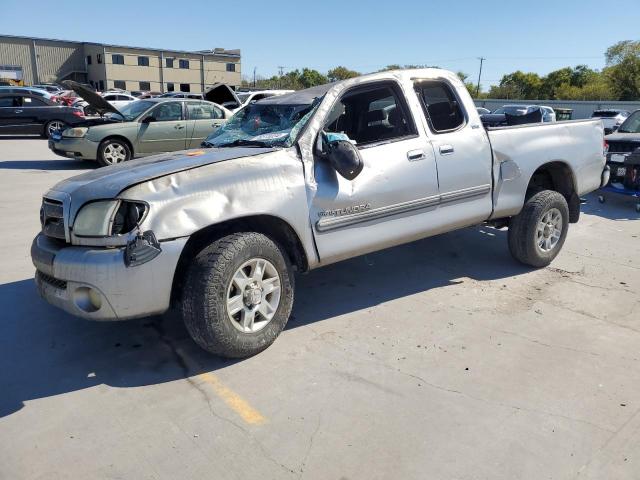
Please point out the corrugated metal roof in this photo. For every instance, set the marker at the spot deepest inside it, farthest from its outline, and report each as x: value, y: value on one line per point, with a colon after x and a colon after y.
x: 215, y: 53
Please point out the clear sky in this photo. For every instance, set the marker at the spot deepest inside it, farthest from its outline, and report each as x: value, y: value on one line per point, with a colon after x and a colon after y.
x: 534, y: 35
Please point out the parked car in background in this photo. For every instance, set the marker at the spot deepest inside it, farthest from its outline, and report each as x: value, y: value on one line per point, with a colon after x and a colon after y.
x: 23, y: 113
x: 197, y: 96
x: 137, y: 129
x: 149, y: 95
x: 245, y: 98
x: 30, y: 90
x: 499, y: 118
x: 611, y: 118
x: 119, y: 99
x: 482, y: 110
x: 49, y: 87
x: 623, y: 158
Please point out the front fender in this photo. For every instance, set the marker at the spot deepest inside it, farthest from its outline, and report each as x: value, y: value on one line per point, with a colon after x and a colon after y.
x: 185, y: 202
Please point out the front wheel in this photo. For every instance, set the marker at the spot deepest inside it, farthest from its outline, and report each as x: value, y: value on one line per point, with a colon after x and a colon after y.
x: 538, y: 232
x: 53, y: 126
x: 238, y: 295
x: 113, y: 151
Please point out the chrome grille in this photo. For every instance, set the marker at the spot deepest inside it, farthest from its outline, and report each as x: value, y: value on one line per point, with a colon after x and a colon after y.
x: 52, y: 218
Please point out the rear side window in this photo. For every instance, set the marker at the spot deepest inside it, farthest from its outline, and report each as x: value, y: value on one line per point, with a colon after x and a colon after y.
x: 604, y: 114
x: 32, y: 102
x: 440, y: 105
x: 9, y: 102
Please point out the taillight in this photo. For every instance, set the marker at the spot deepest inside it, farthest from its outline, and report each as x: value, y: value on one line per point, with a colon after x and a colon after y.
x: 605, y: 147
x: 78, y: 113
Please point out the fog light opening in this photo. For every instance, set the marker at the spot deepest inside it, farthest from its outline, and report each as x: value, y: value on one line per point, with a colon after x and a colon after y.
x: 87, y: 299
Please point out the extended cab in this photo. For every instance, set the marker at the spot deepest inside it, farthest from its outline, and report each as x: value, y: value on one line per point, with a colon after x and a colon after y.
x: 298, y: 181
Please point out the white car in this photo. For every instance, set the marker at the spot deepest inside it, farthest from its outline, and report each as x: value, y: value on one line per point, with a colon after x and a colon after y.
x: 611, y: 118
x: 119, y: 99
x: 246, y: 98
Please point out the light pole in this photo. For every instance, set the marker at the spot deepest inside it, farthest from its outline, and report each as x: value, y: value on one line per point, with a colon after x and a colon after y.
x: 482, y: 59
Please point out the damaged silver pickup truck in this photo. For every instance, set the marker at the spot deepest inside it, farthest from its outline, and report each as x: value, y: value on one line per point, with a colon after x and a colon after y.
x: 298, y: 181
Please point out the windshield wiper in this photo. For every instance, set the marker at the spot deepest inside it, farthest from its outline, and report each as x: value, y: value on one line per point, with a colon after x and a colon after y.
x: 240, y: 142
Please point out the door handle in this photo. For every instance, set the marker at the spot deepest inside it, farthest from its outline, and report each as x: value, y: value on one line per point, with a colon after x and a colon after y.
x: 415, y: 155
x: 446, y: 149
x: 178, y: 127
x: 17, y: 111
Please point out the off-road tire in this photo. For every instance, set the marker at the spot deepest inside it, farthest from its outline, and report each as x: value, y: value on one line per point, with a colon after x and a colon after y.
x: 522, y: 228
x: 112, y: 141
x: 204, y: 302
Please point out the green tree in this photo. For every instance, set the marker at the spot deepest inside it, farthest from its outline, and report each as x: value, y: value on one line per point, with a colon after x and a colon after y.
x: 527, y: 86
x: 311, y: 78
x: 471, y: 88
x: 623, y: 69
x: 341, y: 73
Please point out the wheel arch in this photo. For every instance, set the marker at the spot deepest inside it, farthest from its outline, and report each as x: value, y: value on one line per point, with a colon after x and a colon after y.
x: 274, y: 227
x: 121, y: 138
x: 558, y: 176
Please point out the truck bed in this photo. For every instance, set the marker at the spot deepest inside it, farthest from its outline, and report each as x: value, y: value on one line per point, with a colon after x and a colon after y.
x: 519, y: 150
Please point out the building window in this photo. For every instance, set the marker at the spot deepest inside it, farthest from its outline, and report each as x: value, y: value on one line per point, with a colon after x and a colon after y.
x: 146, y: 86
x: 99, y: 58
x: 184, y: 63
x: 88, y: 59
x: 117, y: 59
x: 185, y: 87
x: 170, y: 87
x: 143, y: 61
x: 169, y: 62
x: 231, y: 67
x: 121, y: 84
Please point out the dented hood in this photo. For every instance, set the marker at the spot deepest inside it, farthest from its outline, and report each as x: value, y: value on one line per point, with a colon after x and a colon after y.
x: 221, y: 93
x: 108, y: 182
x: 92, y: 98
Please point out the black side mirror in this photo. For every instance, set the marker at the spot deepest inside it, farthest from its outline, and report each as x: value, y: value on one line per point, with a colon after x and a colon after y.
x: 344, y: 158
x: 149, y: 119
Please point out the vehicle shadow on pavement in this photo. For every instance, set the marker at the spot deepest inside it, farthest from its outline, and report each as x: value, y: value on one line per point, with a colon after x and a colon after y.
x: 616, y: 206
x: 480, y: 253
x: 47, y: 165
x: 46, y: 352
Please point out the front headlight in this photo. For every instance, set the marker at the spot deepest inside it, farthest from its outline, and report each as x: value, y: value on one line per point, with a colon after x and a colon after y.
x: 77, y: 132
x: 105, y: 218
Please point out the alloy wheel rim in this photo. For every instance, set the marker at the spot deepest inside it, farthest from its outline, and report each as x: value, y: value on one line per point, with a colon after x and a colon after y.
x: 253, y: 295
x: 114, y: 153
x: 549, y: 230
x: 53, y: 126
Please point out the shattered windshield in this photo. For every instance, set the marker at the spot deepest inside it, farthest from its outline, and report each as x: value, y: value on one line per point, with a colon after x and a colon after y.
x: 133, y: 110
x: 262, y: 125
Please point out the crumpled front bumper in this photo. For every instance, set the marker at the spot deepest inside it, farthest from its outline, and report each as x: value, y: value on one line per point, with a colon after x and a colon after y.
x: 95, y: 284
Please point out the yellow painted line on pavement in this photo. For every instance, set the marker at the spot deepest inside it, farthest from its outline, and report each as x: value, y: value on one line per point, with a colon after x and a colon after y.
x: 232, y: 399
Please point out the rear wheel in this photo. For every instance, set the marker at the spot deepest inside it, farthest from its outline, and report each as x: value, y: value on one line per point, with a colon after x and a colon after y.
x: 537, y: 233
x: 238, y: 295
x: 112, y: 151
x: 53, y: 126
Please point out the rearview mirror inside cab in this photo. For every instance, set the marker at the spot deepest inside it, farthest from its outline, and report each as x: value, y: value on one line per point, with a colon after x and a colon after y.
x: 343, y: 156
